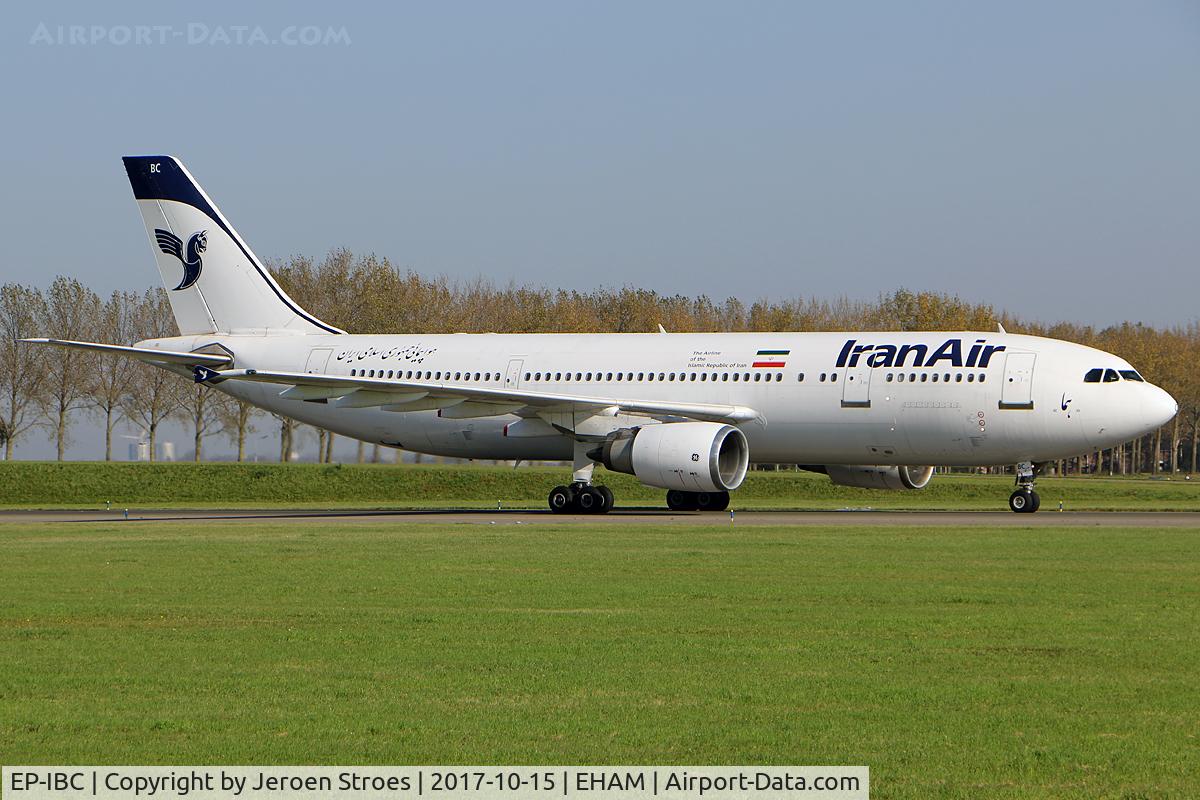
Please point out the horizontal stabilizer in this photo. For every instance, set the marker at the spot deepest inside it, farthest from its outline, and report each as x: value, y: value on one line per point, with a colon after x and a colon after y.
x: 142, y: 353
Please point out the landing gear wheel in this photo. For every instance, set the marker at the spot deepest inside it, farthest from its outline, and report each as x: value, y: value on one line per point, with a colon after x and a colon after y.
x: 678, y: 500
x: 1024, y: 501
x: 609, y: 500
x: 712, y: 501
x: 561, y: 500
x: 589, y: 500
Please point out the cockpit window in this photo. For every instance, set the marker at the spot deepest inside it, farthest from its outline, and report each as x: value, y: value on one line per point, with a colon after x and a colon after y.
x: 1132, y: 375
x: 1093, y: 375
x: 1110, y: 375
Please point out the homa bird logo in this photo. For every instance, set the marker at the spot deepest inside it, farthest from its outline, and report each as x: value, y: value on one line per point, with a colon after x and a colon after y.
x: 172, y: 245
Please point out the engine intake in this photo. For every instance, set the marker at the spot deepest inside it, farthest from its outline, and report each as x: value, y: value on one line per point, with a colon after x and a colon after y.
x: 689, y: 456
x: 880, y: 477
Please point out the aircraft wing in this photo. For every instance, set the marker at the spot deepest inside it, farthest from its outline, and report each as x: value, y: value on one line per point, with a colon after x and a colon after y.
x: 142, y: 353
x: 464, y: 401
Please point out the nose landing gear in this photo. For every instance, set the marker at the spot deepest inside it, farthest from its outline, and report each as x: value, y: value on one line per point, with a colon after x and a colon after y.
x: 1025, y: 500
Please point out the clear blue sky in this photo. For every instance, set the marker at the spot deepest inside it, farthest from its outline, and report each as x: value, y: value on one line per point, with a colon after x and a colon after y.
x: 1039, y: 156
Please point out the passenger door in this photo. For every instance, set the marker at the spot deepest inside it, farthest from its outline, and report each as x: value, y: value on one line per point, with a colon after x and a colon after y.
x: 856, y: 387
x: 1017, y: 391
x: 318, y: 359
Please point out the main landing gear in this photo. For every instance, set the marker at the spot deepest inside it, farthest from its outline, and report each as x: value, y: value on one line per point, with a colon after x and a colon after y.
x: 1025, y: 500
x: 697, y: 501
x: 581, y: 498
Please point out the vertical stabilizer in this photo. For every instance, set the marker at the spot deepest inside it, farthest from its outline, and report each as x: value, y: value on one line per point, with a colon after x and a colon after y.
x: 215, y: 282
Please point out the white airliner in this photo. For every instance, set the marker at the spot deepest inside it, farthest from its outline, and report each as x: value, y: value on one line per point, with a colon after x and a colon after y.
x: 685, y: 412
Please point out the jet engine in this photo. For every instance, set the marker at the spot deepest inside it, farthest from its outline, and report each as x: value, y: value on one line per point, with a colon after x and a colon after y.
x: 688, y: 456
x: 879, y: 477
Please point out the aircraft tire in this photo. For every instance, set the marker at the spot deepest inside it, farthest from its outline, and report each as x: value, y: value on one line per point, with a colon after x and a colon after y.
x: 678, y: 500
x: 589, y: 501
x: 561, y: 500
x: 1024, y: 501
x: 609, y: 500
x: 712, y: 501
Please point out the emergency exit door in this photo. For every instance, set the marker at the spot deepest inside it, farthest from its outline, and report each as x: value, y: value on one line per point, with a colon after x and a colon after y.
x: 512, y: 378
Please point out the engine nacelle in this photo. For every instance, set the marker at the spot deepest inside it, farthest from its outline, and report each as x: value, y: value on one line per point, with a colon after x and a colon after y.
x: 689, y: 456
x: 880, y: 477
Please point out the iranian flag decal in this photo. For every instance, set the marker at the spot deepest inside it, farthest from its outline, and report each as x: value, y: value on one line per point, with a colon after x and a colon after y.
x: 771, y: 359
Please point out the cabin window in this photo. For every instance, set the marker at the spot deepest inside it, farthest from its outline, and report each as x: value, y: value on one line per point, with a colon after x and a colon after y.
x: 736, y: 376
x: 924, y: 377
x: 608, y: 377
x: 900, y: 378
x: 982, y: 377
x: 1132, y: 375
x: 833, y: 377
x: 800, y: 378
x: 822, y: 378
x: 693, y: 378
x: 888, y: 378
x: 724, y: 376
x: 970, y: 377
x: 1110, y: 375
x: 946, y: 377
x: 935, y: 377
x: 641, y: 376
x: 958, y: 378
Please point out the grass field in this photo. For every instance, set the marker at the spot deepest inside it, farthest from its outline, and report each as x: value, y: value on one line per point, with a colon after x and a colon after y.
x: 978, y: 663
x: 84, y: 484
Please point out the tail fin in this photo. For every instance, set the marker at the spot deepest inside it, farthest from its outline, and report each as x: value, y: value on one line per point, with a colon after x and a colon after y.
x: 214, y: 281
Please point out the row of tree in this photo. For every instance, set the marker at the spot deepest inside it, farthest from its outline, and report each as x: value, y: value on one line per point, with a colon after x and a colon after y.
x: 50, y: 388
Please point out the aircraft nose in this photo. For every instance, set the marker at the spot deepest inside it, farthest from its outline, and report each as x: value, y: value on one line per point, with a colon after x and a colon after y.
x: 1159, y: 406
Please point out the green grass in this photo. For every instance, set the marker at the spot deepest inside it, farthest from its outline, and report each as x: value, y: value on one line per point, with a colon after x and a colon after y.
x: 90, y: 484
x: 955, y: 663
